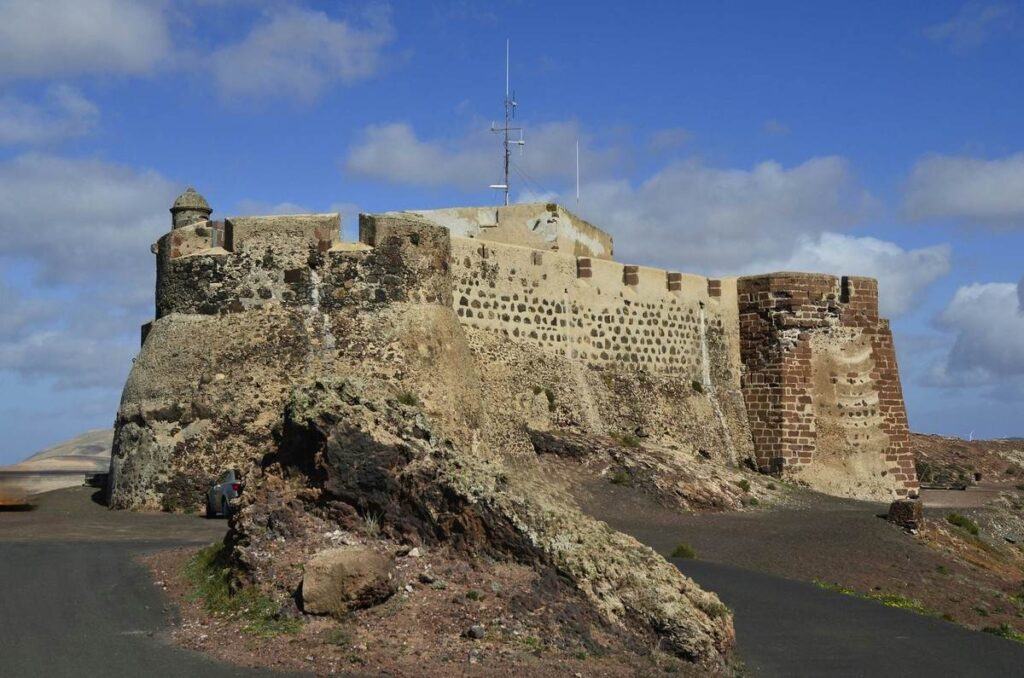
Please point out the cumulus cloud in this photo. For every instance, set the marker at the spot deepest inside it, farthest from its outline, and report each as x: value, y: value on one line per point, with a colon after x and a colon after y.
x: 63, y: 114
x: 299, y: 52
x: 76, y: 236
x: 77, y: 220
x: 973, y: 25
x: 715, y: 220
x: 72, y: 37
x: 393, y: 152
x: 687, y: 216
x: 902, y: 274
x: 968, y: 189
x: 70, y: 358
x: 988, y: 322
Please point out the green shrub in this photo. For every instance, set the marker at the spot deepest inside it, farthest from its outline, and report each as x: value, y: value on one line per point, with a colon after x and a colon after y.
x: 550, y: 395
x: 621, y: 478
x: 207, y: 571
x: 963, y: 522
x: 626, y: 439
x: 1004, y: 630
x: 770, y: 486
x: 743, y: 484
x: 408, y: 398
x: 942, y: 569
x: 683, y: 551
x: 473, y: 594
x: 697, y: 386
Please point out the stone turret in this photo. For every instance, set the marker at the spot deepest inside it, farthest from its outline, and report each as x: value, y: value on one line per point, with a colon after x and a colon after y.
x: 189, y: 208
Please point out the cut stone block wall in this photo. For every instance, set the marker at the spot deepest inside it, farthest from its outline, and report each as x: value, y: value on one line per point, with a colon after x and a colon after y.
x: 821, y: 384
x: 594, y: 310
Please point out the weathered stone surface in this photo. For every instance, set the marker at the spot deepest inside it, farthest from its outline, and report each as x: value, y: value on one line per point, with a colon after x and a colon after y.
x: 822, y: 387
x: 346, y: 578
x: 357, y: 443
x: 907, y: 513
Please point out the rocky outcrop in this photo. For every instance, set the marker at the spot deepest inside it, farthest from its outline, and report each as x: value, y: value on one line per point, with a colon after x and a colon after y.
x: 342, y: 380
x: 352, y: 447
x: 338, y: 580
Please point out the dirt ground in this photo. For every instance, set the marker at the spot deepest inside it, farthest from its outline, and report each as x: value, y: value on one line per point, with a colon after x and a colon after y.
x: 976, y: 581
x: 973, y: 580
x: 531, y: 627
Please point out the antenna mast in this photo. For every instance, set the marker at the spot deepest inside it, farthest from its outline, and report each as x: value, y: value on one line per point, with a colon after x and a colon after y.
x: 510, y: 114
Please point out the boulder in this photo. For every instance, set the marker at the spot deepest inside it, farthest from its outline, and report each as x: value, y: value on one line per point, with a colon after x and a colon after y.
x: 907, y: 513
x: 341, y: 579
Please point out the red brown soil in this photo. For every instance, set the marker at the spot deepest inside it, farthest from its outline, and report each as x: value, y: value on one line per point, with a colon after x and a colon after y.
x: 533, y: 627
x: 976, y: 582
x: 998, y: 461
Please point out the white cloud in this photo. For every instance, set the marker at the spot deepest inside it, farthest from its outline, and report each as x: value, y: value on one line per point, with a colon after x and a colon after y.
x: 690, y: 216
x: 64, y: 114
x: 298, y: 52
x: 972, y: 25
x: 968, y: 189
x: 392, y: 152
x: 902, y: 274
x: 45, y: 38
x: 988, y: 322
x: 76, y: 232
x: 81, y: 219
x: 71, y: 359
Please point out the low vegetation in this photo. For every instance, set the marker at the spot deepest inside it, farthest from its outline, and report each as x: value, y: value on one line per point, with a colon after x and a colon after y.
x: 684, y: 551
x: 888, y: 599
x: 963, y: 522
x: 548, y: 393
x: 1004, y: 630
x: 408, y: 398
x: 621, y: 478
x: 626, y: 439
x: 207, y: 572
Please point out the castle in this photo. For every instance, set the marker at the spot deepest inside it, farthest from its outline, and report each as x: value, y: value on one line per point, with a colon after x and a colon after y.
x: 797, y: 370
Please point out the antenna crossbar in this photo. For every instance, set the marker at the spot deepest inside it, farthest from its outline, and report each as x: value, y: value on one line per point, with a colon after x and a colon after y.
x: 507, y: 129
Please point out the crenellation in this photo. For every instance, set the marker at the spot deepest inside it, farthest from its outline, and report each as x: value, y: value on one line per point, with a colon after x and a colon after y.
x: 802, y: 360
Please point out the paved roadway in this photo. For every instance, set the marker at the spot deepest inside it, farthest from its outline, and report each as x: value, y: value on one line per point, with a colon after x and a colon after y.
x: 74, y: 602
x: 791, y: 628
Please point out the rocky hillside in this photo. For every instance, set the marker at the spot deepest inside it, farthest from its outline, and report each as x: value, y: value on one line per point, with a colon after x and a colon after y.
x: 367, y: 417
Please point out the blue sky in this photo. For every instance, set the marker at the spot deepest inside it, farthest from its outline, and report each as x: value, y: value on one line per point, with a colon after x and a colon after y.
x: 870, y: 138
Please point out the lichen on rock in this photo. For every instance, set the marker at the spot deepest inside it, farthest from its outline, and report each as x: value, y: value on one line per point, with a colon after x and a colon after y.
x: 353, y: 442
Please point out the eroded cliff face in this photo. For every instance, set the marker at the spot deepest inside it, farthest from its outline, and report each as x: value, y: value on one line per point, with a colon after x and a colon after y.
x: 341, y: 380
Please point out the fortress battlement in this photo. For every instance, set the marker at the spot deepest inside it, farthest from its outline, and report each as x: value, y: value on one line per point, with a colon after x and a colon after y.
x: 806, y: 356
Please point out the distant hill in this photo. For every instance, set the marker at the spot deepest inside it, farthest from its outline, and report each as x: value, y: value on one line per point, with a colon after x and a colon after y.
x: 85, y: 453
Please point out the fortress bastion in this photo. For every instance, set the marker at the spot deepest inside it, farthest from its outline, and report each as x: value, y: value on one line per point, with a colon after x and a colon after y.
x: 793, y: 373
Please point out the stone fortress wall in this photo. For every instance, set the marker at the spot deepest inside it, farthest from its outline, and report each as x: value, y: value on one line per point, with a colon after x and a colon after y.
x: 815, y: 363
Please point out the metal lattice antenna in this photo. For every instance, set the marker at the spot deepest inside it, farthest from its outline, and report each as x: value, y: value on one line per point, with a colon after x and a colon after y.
x: 510, y: 114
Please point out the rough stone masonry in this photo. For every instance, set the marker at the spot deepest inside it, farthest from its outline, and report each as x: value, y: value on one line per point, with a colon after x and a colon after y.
x: 796, y: 371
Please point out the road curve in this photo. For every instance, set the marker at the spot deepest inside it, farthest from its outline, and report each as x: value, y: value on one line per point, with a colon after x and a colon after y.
x: 75, y: 602
x: 790, y: 628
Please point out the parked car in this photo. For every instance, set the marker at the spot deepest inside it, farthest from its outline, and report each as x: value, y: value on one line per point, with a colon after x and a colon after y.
x: 222, y: 493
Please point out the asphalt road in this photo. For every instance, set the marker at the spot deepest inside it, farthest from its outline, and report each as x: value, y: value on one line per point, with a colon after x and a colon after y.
x: 75, y: 603
x: 790, y: 628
